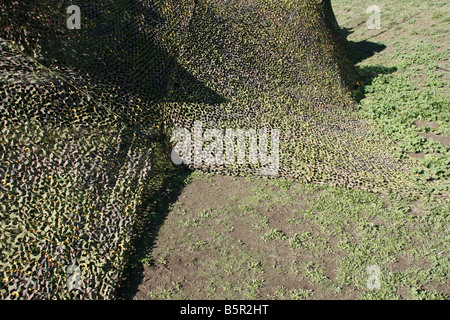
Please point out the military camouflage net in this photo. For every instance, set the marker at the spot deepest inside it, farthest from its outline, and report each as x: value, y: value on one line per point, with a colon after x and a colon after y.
x: 82, y: 109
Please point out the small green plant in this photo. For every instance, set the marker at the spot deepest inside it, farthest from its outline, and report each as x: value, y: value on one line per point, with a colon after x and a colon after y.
x: 252, y: 287
x: 197, y: 245
x: 256, y: 266
x: 189, y: 223
x: 162, y: 261
x: 206, y: 213
x: 163, y: 294
x: 274, y: 235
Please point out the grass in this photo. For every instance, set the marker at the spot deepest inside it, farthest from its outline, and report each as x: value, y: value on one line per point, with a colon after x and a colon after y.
x: 407, y: 84
x: 325, y: 254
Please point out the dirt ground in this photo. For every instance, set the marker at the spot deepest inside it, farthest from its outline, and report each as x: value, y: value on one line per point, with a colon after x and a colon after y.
x: 212, y: 246
x: 242, y: 238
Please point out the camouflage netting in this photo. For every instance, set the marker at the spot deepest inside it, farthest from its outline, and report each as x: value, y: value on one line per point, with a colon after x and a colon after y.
x: 82, y: 109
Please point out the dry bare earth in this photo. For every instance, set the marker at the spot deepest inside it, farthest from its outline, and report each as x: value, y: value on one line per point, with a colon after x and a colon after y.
x: 237, y: 238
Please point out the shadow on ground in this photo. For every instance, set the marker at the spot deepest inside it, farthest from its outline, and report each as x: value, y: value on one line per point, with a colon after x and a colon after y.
x: 368, y: 73
x: 167, y: 183
x: 365, y: 49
